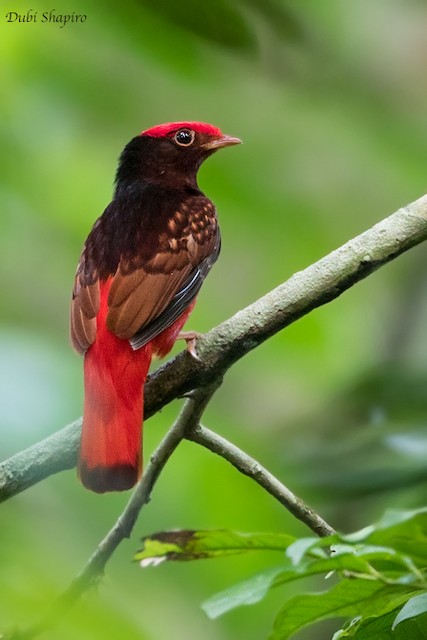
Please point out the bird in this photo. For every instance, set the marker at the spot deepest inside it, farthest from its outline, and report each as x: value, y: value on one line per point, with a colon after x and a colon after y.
x: 136, y: 283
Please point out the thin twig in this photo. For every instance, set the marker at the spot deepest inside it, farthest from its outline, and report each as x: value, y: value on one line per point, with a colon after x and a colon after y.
x: 250, y: 467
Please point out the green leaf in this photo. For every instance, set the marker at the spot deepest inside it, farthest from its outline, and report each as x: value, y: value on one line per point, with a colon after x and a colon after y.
x: 416, y: 606
x: 245, y: 593
x: 256, y: 588
x: 348, y: 598
x: 392, y: 523
x: 377, y: 573
x: 359, y: 559
x: 403, y: 533
x: 380, y: 628
x: 195, y: 545
x: 298, y: 549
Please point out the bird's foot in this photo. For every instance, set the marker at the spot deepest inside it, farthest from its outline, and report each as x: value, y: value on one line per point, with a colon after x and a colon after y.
x: 190, y: 338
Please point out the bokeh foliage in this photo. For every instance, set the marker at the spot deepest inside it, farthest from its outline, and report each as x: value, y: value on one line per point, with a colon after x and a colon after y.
x: 330, y: 100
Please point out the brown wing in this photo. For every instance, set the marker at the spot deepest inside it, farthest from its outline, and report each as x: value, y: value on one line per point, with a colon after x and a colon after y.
x: 154, y: 295
x: 146, y: 298
x: 179, y: 302
x: 84, y: 308
x: 136, y: 299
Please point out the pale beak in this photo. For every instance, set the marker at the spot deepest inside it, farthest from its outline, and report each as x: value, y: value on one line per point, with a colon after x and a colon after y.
x: 223, y: 141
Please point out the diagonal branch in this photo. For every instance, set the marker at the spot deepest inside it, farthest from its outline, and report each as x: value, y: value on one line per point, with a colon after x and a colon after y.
x: 250, y: 467
x: 320, y: 283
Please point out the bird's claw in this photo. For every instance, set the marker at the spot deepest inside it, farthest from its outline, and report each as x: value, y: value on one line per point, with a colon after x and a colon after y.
x: 190, y: 338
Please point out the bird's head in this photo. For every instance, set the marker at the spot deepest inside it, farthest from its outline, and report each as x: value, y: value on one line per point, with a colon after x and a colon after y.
x: 171, y: 153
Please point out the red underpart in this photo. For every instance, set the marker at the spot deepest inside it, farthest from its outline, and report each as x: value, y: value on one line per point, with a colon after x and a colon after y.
x: 167, y: 129
x: 164, y: 342
x: 114, y: 377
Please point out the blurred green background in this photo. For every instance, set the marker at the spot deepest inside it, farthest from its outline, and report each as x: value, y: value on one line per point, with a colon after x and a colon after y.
x: 330, y: 99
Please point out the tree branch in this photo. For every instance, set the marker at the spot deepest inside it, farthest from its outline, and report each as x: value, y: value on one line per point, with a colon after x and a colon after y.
x: 250, y: 467
x: 320, y: 283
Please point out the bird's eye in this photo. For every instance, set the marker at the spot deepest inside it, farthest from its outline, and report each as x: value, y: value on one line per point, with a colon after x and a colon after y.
x: 184, y: 137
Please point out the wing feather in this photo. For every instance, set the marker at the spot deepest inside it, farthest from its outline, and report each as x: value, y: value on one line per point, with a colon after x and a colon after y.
x: 83, y: 316
x: 89, y: 299
x: 149, y: 296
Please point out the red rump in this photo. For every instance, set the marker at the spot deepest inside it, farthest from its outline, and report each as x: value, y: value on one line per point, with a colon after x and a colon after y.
x: 164, y: 130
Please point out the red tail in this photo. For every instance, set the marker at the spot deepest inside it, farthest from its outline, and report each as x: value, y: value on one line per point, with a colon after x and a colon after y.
x: 114, y: 375
x: 110, y: 450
